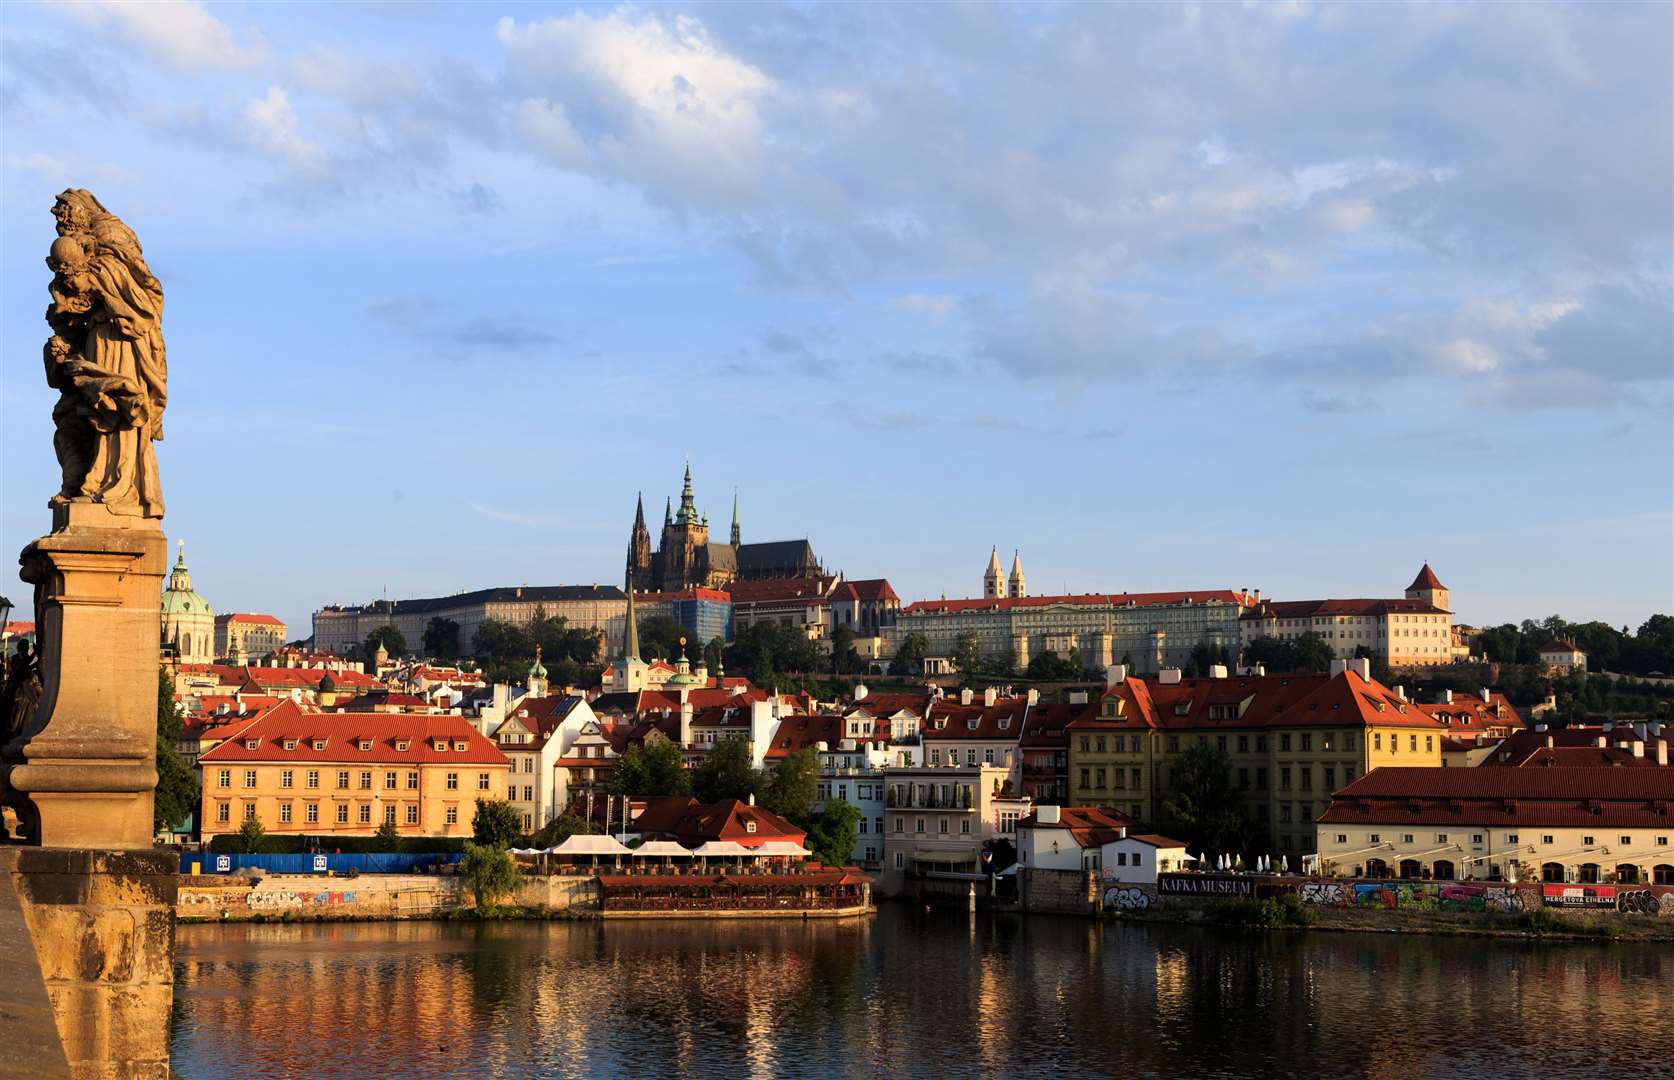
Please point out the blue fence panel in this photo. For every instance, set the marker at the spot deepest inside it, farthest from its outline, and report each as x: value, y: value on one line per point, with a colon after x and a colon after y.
x: 372, y: 863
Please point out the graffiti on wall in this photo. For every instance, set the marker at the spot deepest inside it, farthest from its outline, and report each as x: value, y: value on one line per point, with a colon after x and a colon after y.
x: 1127, y: 898
x: 1324, y: 894
x: 1597, y: 897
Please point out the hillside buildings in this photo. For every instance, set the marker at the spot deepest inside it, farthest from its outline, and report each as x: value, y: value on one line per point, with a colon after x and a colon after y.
x: 244, y: 635
x: 685, y: 557
x: 1562, y: 657
x: 1414, y: 631
x: 342, y: 629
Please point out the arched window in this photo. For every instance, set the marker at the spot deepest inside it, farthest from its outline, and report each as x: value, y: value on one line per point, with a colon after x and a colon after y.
x: 1410, y: 868
x: 1627, y: 874
x: 1551, y: 872
x: 1377, y: 868
x: 1663, y: 874
x: 1588, y: 873
x: 1442, y: 870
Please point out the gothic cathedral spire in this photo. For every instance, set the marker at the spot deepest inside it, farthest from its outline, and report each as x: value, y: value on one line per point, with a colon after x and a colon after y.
x: 735, y: 532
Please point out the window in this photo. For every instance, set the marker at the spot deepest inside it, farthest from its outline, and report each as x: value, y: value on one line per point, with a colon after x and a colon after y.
x: 1374, y: 838
x: 366, y: 813
x: 936, y: 755
x: 1627, y: 841
x: 1261, y: 779
x: 919, y: 827
x: 528, y: 793
x: 412, y: 781
x: 1136, y: 775
x: 1377, y: 740
x: 1173, y: 744
x: 1306, y: 774
x: 284, y: 813
x: 1441, y: 838
x: 482, y: 781
x: 412, y: 813
x: 452, y: 816
x: 1085, y: 783
x: 900, y: 860
x: 528, y: 764
x: 1587, y: 841
x: 365, y: 780
x: 1084, y: 742
x: 1307, y: 742
x: 224, y: 778
x: 1406, y: 838
x: 389, y: 781
x: 1243, y: 744
x: 223, y: 812
x: 389, y: 813
x: 1476, y: 839
x: 342, y: 780
x: 943, y: 823
x: 313, y: 778
x: 1412, y: 743
x: 965, y: 825
x: 287, y: 778
x: 1284, y: 743
x: 319, y: 744
x: 365, y: 744
x: 1330, y: 775
x: 249, y: 777
x: 1342, y: 838
x: 1546, y: 839
x: 900, y: 824
x: 1284, y: 778
x: 1511, y: 838
x: 313, y: 814
x: 342, y: 813
x: 453, y: 781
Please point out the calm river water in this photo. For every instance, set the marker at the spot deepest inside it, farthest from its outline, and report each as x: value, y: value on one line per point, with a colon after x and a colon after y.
x: 906, y: 993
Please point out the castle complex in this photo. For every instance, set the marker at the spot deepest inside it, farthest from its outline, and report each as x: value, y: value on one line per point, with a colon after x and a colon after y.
x: 686, y: 558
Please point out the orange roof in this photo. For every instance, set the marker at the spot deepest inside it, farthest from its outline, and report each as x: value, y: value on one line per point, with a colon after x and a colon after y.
x: 249, y: 617
x: 1426, y: 579
x: 1002, y: 720
x: 1256, y: 701
x: 1156, y: 599
x: 344, y: 732
x: 1303, y: 609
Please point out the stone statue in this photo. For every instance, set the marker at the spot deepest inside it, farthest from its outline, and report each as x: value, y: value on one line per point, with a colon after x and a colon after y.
x: 106, y: 359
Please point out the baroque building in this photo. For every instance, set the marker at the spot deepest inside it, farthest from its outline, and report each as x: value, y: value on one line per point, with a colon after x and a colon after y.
x: 685, y: 557
x: 188, y: 620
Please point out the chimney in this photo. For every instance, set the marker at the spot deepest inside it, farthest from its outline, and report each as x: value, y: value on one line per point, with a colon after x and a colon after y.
x: 1261, y: 671
x: 860, y: 692
x: 1401, y: 691
x: 1362, y: 667
x: 965, y: 696
x: 1169, y: 676
x: 989, y: 696
x: 1600, y: 742
x: 1122, y: 833
x: 1662, y: 753
x: 1033, y: 697
x: 1217, y: 671
x: 1049, y: 815
x: 752, y: 799
x: 1638, y: 749
x: 1114, y: 674
x: 685, y: 723
x: 1639, y: 729
x: 1549, y: 740
x: 1487, y: 696
x: 1338, y: 667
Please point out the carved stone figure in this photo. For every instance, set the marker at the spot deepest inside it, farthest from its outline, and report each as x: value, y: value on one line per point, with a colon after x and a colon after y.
x: 106, y: 359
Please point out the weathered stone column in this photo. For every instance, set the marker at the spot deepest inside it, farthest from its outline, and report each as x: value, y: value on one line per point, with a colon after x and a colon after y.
x: 88, y: 761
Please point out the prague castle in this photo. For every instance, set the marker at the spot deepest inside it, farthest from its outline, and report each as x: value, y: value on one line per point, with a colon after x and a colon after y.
x: 686, y: 558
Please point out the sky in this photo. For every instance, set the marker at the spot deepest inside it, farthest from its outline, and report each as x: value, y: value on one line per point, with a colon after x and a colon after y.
x: 1283, y: 296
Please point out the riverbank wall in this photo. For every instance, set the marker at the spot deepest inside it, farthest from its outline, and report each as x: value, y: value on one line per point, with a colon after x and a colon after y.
x: 312, y: 896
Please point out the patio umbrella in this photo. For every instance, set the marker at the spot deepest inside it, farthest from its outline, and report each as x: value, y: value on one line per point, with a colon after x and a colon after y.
x: 1284, y: 864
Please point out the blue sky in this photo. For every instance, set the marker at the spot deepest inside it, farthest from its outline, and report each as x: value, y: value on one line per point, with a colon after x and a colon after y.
x: 1284, y: 296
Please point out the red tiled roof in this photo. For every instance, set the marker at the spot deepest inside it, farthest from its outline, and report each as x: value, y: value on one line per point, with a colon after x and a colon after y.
x: 1090, y: 826
x: 1558, y: 645
x: 1559, y: 798
x: 1304, y: 609
x: 344, y: 731
x: 1002, y: 721
x: 1426, y: 579
x: 780, y: 589
x: 248, y: 617
x: 1047, y: 725
x: 19, y: 628
x: 1157, y: 599
x: 306, y: 678
x: 1257, y: 701
x: 1576, y: 746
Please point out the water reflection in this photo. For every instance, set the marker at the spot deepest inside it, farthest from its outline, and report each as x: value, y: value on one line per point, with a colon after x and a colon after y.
x: 903, y: 994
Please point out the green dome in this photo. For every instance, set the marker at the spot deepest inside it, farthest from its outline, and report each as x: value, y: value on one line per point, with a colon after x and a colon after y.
x: 178, y: 598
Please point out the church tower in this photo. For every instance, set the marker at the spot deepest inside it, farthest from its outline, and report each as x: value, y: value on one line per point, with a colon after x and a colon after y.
x: 1018, y: 585
x: 685, y: 547
x: 994, y: 581
x: 188, y: 622
x: 737, y: 536
x: 639, y: 550
x: 1427, y: 587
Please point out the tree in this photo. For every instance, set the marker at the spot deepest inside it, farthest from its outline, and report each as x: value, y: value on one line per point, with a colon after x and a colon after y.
x: 713, y: 654
x: 1273, y: 653
x: 833, y: 834
x: 177, y: 782
x: 845, y: 660
x: 1205, y: 656
x: 790, y: 787
x: 497, y: 822
x: 967, y: 652
x: 561, y: 828
x: 389, y: 837
x: 909, y: 654
x: 251, y: 834
x: 392, y: 640
x: 657, y: 768
x: 659, y: 638
x: 1048, y: 666
x: 441, y: 638
x: 489, y: 872
x: 725, y: 772
x: 1313, y: 653
x: 1205, y: 809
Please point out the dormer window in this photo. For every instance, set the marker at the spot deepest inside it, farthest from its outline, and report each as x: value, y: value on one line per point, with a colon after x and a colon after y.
x: 402, y: 744
x: 463, y: 746
x: 1005, y: 723
x: 971, y: 724
x: 319, y: 744
x: 252, y: 744
x: 365, y: 744
x: 750, y: 827
x: 290, y: 744
x: 441, y: 746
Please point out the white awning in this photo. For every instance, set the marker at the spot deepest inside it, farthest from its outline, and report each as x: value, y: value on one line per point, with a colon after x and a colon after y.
x: 723, y: 847
x: 528, y: 851
x: 781, y: 847
x: 580, y: 844
x: 663, y: 848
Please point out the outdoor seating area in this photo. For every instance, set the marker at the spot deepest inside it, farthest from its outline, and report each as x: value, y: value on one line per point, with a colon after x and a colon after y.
x: 822, y: 890
x: 586, y: 856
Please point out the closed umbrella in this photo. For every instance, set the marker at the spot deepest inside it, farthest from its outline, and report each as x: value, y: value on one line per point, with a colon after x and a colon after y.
x: 1284, y: 864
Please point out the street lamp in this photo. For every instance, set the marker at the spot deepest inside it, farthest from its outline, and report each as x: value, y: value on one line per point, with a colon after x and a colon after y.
x: 5, y: 650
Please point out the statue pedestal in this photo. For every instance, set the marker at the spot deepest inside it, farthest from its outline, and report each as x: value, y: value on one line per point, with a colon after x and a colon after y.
x: 88, y: 760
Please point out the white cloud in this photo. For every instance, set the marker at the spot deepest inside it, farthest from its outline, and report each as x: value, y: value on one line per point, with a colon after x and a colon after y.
x: 273, y: 129
x: 179, y: 33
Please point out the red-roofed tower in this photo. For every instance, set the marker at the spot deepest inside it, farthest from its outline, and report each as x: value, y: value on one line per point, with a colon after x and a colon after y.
x: 1427, y: 587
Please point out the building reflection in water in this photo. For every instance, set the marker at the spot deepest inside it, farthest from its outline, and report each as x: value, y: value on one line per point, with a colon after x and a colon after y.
x: 903, y: 993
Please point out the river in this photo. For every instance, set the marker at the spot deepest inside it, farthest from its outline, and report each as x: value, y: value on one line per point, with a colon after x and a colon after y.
x: 906, y: 993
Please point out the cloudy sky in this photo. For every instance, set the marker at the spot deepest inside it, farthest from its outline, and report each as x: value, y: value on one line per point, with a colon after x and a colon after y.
x: 1282, y: 296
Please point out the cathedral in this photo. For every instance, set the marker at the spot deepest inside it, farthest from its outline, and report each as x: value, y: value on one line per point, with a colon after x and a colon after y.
x: 685, y: 558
